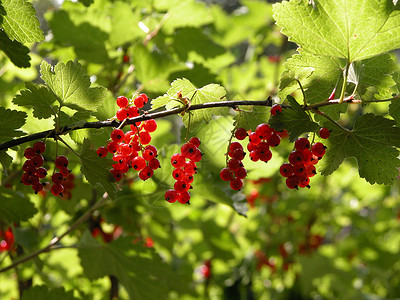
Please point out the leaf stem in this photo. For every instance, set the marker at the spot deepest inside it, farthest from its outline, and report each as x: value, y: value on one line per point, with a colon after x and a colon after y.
x: 52, y: 245
x: 344, y: 84
x: 302, y: 91
x: 321, y: 113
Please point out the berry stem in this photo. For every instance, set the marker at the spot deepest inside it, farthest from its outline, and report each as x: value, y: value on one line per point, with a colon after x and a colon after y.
x: 321, y: 113
x: 69, y: 147
x: 344, y: 84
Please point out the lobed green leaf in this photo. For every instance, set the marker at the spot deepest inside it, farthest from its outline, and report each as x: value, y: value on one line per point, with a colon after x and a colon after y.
x: 10, y: 123
x: 15, y: 207
x: 16, y: 52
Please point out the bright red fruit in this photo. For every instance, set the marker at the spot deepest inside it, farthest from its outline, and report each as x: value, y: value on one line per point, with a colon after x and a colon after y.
x: 240, y: 133
x: 122, y: 101
x: 276, y: 108
x: 324, y: 133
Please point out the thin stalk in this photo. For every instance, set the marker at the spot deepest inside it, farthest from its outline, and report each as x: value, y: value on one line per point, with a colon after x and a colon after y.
x: 344, y: 85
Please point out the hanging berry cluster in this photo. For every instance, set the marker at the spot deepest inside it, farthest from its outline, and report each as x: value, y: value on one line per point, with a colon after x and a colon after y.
x: 185, y: 167
x: 132, y: 149
x: 302, y: 161
x: 259, y: 145
x: 33, y: 170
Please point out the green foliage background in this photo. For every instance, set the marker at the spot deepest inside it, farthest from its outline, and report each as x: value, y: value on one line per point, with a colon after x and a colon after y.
x: 63, y: 64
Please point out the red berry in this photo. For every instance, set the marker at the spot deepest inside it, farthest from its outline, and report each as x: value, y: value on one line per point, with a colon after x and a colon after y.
x: 61, y: 162
x: 295, y: 157
x: 37, y: 160
x: 318, y: 149
x: 112, y: 147
x: 57, y: 177
x: 125, y: 149
x: 195, y: 141
x: 292, y: 182
x: 57, y: 189
x: 65, y: 171
x: 180, y: 186
x: 188, y: 178
x: 254, y: 155
x: 122, y: 101
x: 138, y: 163
x: 117, y: 135
x: 39, y: 147
x: 178, y: 174
x: 196, y: 156
x: 102, y: 151
x: 116, y: 174
x: 299, y: 169
x: 29, y: 152
x: 132, y: 111
x: 122, y: 114
x: 29, y: 167
x: 286, y: 170
x: 324, y: 133
x: 154, y: 164
x: 33, y: 179
x: 254, y: 138
x: 146, y: 173
x: 235, y: 146
x: 241, y: 173
x: 171, y: 196
x: 183, y: 197
x: 145, y: 137
x: 188, y: 149
x: 41, y: 172
x: 305, y: 183
x: 225, y: 174
x: 37, y: 187
x: 150, y: 125
x: 302, y: 144
x: 274, y: 140
x: 177, y: 160
x: 148, y: 155
x: 276, y: 108
x: 310, y: 171
x: 190, y: 167
x: 139, y: 101
x: 265, y: 156
x: 145, y: 98
x: 236, y: 184
x: 238, y: 154
x: 25, y: 179
x: 263, y: 131
x: 234, y: 164
x: 240, y: 133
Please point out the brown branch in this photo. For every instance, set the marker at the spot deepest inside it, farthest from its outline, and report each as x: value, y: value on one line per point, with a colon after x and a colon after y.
x: 115, y: 123
x: 52, y: 245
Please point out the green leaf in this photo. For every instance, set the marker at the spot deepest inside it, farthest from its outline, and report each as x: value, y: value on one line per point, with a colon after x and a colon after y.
x: 16, y: 52
x: 353, y: 30
x: 208, y: 93
x: 72, y: 86
x: 294, y: 119
x: 5, y: 159
x: 250, y: 117
x: 15, y: 207
x: 41, y: 292
x: 39, y: 98
x: 96, y: 169
x: 373, y: 77
x: 20, y: 22
x: 10, y: 123
x: 86, y: 2
x: 137, y: 268
x: 372, y: 142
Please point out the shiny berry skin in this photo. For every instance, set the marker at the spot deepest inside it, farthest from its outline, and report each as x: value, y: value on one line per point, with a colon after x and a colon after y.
x: 236, y: 184
x: 302, y: 144
x: 122, y: 101
x: 263, y: 131
x: 190, y: 167
x: 145, y: 98
x: 150, y: 125
x: 138, y: 163
x: 25, y: 179
x: 195, y: 141
x: 65, y: 171
x: 39, y: 147
x: 148, y: 155
x: 112, y: 147
x: 305, y: 183
x: 125, y: 149
x: 310, y: 171
x: 235, y: 146
x: 29, y: 167
x: 41, y: 172
x: 122, y: 114
x: 102, y: 151
x: 241, y: 173
x: 37, y: 187
x: 240, y: 133
x: 225, y: 174
x: 295, y: 157
x: 171, y: 196
x: 180, y: 186
x: 299, y: 169
x: 29, y: 152
x: 274, y: 140
x: 145, y: 137
x: 276, y: 108
x: 238, y: 154
x: 37, y: 160
x: 139, y: 101
x: 177, y: 160
x: 188, y: 178
x: 152, y: 149
x: 254, y: 138
x: 324, y: 133
x: 132, y: 112
x: 292, y: 182
x: 146, y: 173
x: 286, y: 170
x: 318, y: 149
x: 234, y: 164
x: 154, y: 164
x: 196, y: 156
x: 57, y: 189
x: 178, y: 174
x: 117, y: 135
x: 307, y: 156
x: 254, y: 155
x: 265, y: 156
x: 183, y: 197
x: 188, y: 149
x: 61, y: 162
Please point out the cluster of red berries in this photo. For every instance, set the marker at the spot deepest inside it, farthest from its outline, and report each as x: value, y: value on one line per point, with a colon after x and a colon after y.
x: 68, y: 184
x: 185, y: 167
x: 132, y: 149
x: 60, y: 178
x: 259, y: 145
x: 33, y: 170
x: 6, y: 239
x: 302, y: 161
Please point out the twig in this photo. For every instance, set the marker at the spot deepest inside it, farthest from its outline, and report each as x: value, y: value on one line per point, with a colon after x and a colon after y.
x: 52, y: 245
